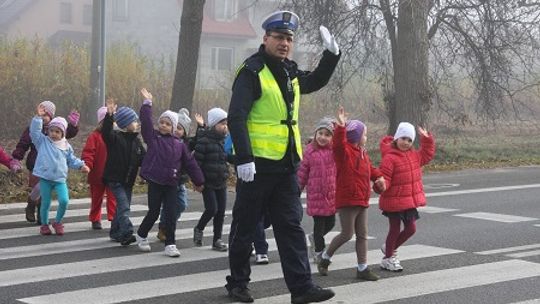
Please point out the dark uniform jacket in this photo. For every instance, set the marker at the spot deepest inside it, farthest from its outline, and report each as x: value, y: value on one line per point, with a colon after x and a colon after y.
x: 247, y: 89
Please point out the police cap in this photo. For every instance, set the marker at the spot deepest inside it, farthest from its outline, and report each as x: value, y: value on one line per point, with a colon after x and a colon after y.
x: 281, y: 21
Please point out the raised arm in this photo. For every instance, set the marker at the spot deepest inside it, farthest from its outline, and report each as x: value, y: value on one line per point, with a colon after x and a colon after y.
x: 145, y: 115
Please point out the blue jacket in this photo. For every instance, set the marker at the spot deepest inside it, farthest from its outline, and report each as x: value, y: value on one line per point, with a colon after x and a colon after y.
x: 52, y: 162
x: 166, y: 155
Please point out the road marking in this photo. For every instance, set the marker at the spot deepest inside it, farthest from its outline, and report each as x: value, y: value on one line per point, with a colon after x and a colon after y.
x: 188, y: 283
x: 509, y: 249
x: 482, y: 190
x: 504, y: 218
x: 524, y: 254
x: 400, y: 287
x: 532, y: 301
x: 431, y: 209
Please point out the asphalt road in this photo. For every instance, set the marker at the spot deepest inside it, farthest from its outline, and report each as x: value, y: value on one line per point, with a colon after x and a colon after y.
x: 476, y: 242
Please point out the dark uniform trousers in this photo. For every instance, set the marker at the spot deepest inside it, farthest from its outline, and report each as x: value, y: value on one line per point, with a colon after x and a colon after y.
x: 279, y: 194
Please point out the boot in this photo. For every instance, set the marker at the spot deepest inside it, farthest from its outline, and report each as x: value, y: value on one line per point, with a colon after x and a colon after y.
x: 30, y: 211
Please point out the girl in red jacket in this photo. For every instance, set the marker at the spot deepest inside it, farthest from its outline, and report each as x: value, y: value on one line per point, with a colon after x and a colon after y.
x: 401, y: 166
x: 94, y: 155
x: 354, y: 173
x: 318, y: 173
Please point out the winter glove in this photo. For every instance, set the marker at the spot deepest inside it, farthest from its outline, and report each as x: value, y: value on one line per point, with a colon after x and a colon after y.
x: 73, y: 118
x: 246, y: 172
x: 329, y: 42
x: 15, y: 165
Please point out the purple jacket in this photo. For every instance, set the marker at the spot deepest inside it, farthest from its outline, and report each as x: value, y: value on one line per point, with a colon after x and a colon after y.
x: 166, y: 155
x: 25, y: 143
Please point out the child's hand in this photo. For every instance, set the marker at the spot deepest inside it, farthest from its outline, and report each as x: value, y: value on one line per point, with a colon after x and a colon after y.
x: 85, y: 169
x: 199, y: 119
x: 381, y: 185
x: 145, y: 94
x: 199, y: 188
x: 40, y: 110
x: 423, y: 132
x: 341, y: 117
x: 111, y: 106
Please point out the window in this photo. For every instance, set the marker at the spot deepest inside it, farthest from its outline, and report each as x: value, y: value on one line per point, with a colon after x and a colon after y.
x: 120, y: 10
x: 65, y: 12
x: 87, y: 14
x: 222, y: 59
x: 225, y: 10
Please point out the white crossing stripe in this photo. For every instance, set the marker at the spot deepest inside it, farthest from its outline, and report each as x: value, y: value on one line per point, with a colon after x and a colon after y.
x: 13, y: 218
x: 533, y: 301
x: 504, y: 218
x: 193, y: 282
x: 509, y: 249
x: 33, y: 230
x: 431, y: 209
x: 431, y: 282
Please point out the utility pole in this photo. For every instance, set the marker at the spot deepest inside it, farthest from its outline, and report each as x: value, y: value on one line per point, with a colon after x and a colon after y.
x: 97, y: 64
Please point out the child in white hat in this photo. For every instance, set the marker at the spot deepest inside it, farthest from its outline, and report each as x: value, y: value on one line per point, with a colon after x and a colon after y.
x: 401, y: 166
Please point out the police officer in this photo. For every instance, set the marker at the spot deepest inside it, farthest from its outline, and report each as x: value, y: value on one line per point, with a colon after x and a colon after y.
x: 263, y: 122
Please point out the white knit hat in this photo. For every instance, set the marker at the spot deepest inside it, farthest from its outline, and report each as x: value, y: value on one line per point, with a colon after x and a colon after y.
x: 215, y: 115
x: 184, y: 120
x: 172, y: 116
x: 405, y: 129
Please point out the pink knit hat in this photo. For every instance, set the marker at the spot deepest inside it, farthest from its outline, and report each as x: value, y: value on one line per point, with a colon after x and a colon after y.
x: 60, y: 123
x: 101, y: 112
x: 50, y: 108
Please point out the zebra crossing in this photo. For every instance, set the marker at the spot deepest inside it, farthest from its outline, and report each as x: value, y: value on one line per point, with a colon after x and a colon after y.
x: 84, y: 266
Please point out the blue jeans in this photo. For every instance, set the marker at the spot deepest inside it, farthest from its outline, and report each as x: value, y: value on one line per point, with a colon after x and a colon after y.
x: 45, y: 188
x: 182, y: 205
x: 121, y: 226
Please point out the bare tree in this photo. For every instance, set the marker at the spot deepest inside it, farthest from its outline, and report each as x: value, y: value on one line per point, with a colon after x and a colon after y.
x: 421, y: 43
x: 188, y: 54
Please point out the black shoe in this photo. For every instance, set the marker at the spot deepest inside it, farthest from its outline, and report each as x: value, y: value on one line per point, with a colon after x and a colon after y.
x: 315, y: 294
x: 241, y: 294
x: 30, y: 211
x: 96, y: 225
x: 128, y: 241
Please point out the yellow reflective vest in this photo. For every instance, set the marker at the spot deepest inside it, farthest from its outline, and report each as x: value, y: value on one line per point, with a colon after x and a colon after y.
x: 267, y: 122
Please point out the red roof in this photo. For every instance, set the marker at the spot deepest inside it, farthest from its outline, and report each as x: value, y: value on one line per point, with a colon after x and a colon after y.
x: 239, y: 27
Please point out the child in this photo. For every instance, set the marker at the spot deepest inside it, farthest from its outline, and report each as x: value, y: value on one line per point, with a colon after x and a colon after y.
x: 25, y: 144
x: 125, y: 153
x: 182, y: 132
x: 94, y: 155
x: 54, y: 157
x: 354, y: 172
x: 211, y: 156
x: 318, y: 173
x: 161, y: 169
x: 401, y: 166
x: 11, y: 163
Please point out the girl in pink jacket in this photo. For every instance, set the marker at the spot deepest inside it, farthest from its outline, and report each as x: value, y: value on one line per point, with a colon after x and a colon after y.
x: 401, y: 166
x: 317, y: 174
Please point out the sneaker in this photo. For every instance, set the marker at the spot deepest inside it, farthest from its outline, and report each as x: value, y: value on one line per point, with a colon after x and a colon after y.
x: 311, y: 247
x: 315, y: 294
x: 96, y: 225
x: 317, y: 258
x: 30, y: 211
x: 45, y: 230
x: 143, y: 243
x: 323, y: 266
x: 366, y: 275
x: 171, y: 250
x: 252, y: 251
x: 128, y: 241
x: 219, y: 246
x: 241, y: 295
x: 197, y: 237
x: 391, y: 264
x: 261, y: 259
x: 58, y: 228
x: 161, y: 235
x: 383, y: 250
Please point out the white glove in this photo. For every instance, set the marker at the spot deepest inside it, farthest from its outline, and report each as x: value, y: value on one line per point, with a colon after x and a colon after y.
x: 329, y: 42
x: 246, y: 172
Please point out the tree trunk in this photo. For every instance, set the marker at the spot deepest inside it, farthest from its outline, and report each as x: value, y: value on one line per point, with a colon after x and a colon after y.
x: 188, y: 54
x: 411, y: 79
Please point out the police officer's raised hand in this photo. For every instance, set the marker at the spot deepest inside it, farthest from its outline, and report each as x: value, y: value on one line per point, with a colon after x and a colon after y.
x: 246, y: 172
x: 329, y: 42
